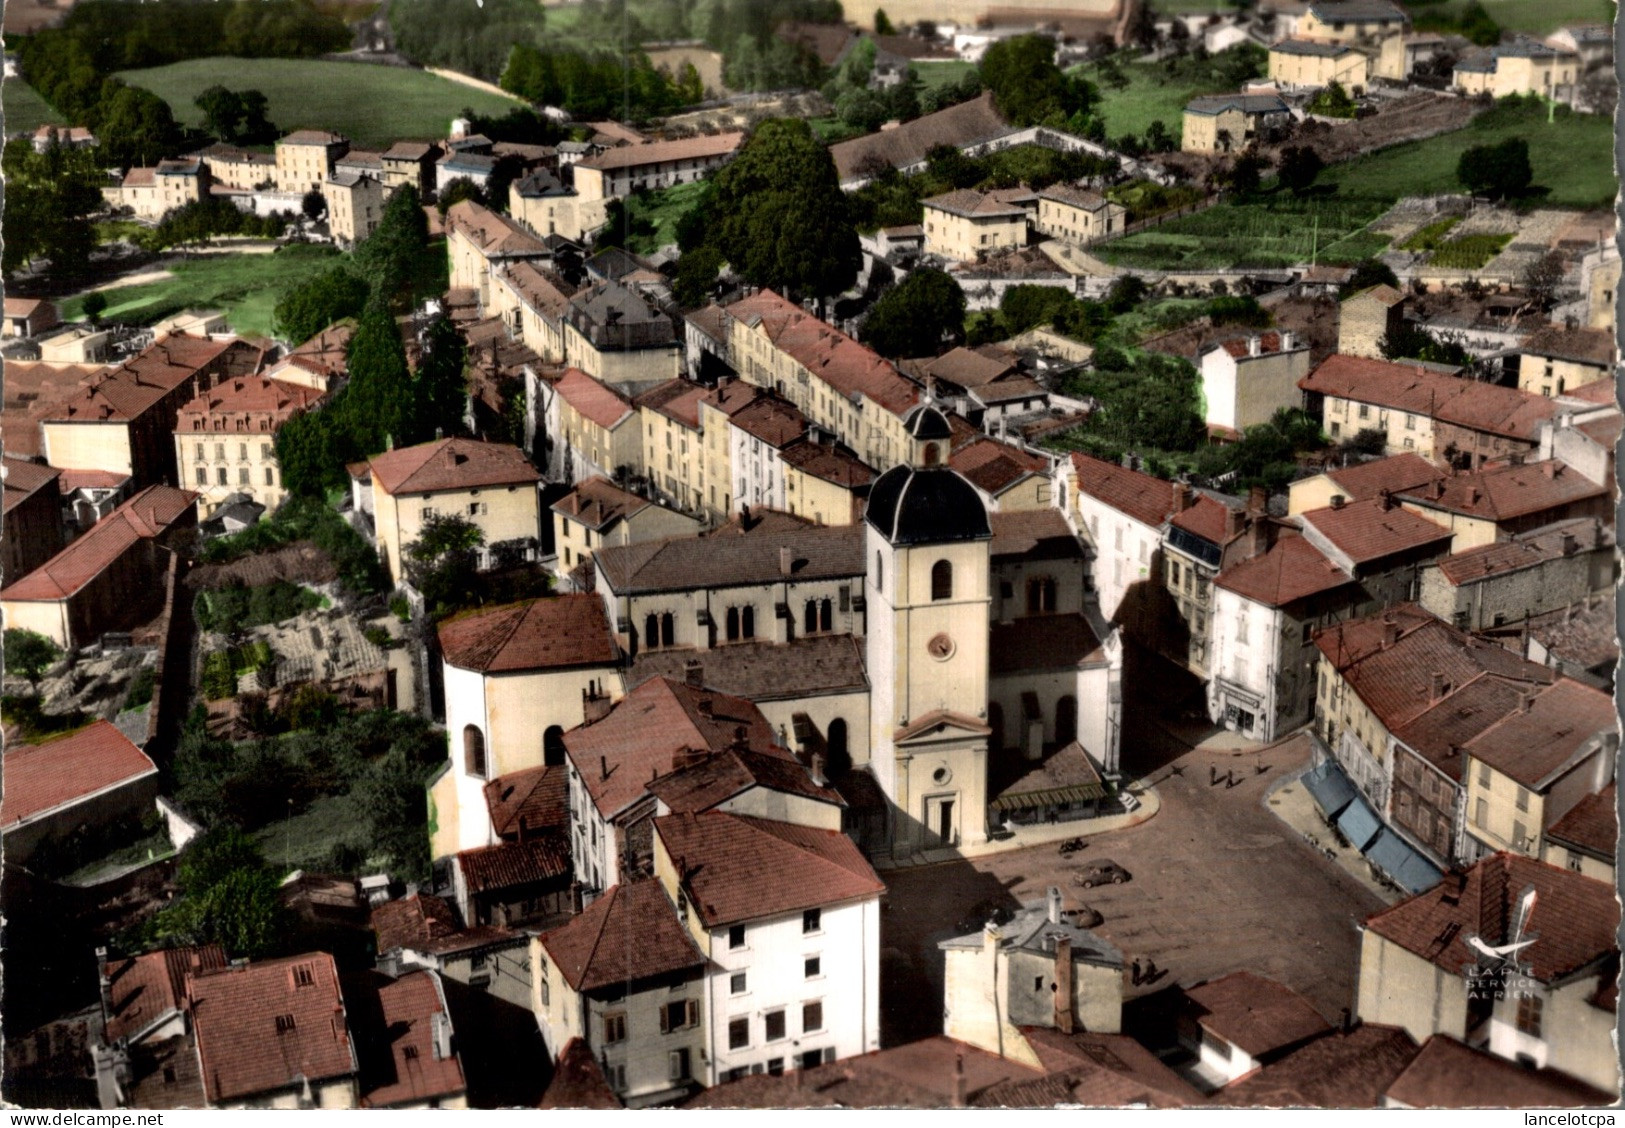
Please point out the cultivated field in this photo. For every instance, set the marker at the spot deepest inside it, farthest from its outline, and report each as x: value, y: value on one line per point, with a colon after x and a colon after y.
x: 25, y: 110
x: 1538, y: 17
x: 373, y: 106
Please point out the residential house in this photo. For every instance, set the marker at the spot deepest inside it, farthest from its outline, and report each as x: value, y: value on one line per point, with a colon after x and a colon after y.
x: 1307, y: 64
x: 355, y: 205
x: 420, y: 932
x: 479, y: 241
x: 320, y: 362
x: 967, y: 225
x: 74, y: 344
x: 1121, y: 514
x: 110, y: 578
x: 1352, y: 21
x: 793, y: 973
x: 305, y: 159
x: 533, y: 303
x: 1204, y: 537
x: 409, y: 162
x: 28, y: 317
x: 1557, y: 359
x: 1533, y: 573
x: 673, y: 461
x: 597, y: 512
x: 1345, y: 1069
x: 705, y: 342
x: 464, y: 164
x: 1007, y: 477
x: 515, y: 677
x: 1246, y: 380
x: 1599, y: 280
x: 1240, y: 1022
x: 757, y: 434
x: 619, y: 172
x: 1366, y: 318
x: 32, y: 530
x: 1038, y: 969
x: 1498, y: 502
x: 825, y: 482
x: 405, y: 1043
x: 1401, y: 54
x: 70, y: 136
x: 242, y: 169
x: 491, y: 485
x: 1447, y: 1073
x: 1224, y: 123
x: 1547, y: 1002
x: 1394, y: 474
x: 150, y: 193
x: 523, y: 883
x: 123, y: 419
x: 616, y: 336
x: 906, y: 146
x: 715, y: 445
x: 1078, y: 215
x: 595, y: 430
x: 88, y: 780
x: 1584, y: 840
x: 1594, y: 43
x: 1521, y: 66
x: 626, y: 981
x: 548, y: 207
x: 225, y: 439
x: 144, y: 1055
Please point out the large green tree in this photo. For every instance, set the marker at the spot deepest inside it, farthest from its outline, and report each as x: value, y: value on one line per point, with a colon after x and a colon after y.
x: 30, y: 654
x: 1497, y: 171
x: 778, y: 215
x: 313, y: 305
x: 50, y: 198
x: 920, y: 317
x: 390, y: 254
x: 1027, y: 85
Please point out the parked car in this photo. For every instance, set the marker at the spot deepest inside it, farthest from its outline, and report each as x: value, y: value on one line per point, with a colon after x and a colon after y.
x: 1103, y: 872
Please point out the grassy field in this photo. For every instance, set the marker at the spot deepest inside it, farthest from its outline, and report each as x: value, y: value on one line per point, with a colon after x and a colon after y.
x: 1572, y: 159
x: 1154, y: 93
x: 25, y: 110
x: 1537, y: 17
x: 933, y: 75
x: 663, y: 209
x: 373, y: 106
x: 247, y: 287
x: 830, y: 130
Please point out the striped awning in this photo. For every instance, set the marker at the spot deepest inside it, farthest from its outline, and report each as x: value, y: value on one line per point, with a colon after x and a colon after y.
x: 1053, y: 797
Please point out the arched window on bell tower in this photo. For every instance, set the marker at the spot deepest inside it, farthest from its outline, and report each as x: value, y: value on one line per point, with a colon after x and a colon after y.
x: 942, y: 581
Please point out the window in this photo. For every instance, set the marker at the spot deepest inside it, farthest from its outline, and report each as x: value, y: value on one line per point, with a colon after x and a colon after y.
x: 813, y: 966
x: 1523, y: 799
x: 219, y: 452
x: 1410, y: 422
x: 679, y: 1015
x: 1519, y: 833
x: 942, y: 581
x: 773, y: 1022
x: 270, y: 476
x: 1483, y: 774
x: 677, y: 1068
x: 812, y: 920
x: 1529, y: 1008
x: 775, y: 1067
x: 199, y: 449
x: 284, y: 1023
x: 1365, y: 411
x: 812, y: 1017
x: 222, y: 475
x: 473, y: 752
x: 1576, y: 862
x: 615, y: 1028
x: 1173, y: 572
x: 242, y: 476
x: 1481, y: 813
x: 736, y: 983
x: 738, y: 1033
x: 736, y: 936
x: 265, y: 450
x: 202, y: 475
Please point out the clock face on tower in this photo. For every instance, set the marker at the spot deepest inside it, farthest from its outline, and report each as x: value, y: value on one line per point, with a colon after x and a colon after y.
x: 941, y: 647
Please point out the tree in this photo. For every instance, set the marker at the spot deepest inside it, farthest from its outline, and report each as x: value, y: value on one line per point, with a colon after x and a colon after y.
x: 94, y: 305
x: 440, y: 385
x: 1024, y: 306
x: 391, y: 253
x: 918, y: 317
x: 1027, y: 85
x: 50, y: 198
x: 1246, y: 174
x: 1157, y: 138
x: 696, y: 278
x: 314, y: 205
x: 460, y: 189
x: 883, y: 25
x: 1497, y: 171
x: 1369, y: 273
x: 223, y: 112
x: 1332, y: 101
x: 1142, y: 27
x: 30, y: 654
x: 1412, y: 343
x: 443, y: 563
x: 231, y: 897
x: 313, y: 305
x: 377, y: 407
x: 778, y: 214
x: 1542, y: 278
x: 1300, y: 165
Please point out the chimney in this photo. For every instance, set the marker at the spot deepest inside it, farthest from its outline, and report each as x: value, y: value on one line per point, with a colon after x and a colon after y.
x: 1526, y: 700
x: 705, y: 707
x: 440, y: 1030
x: 1570, y: 544
x: 1258, y: 500
x: 786, y: 560
x: 1338, y: 501
x: 1347, y: 1022
x: 1386, y: 498
x: 1262, y: 533
x: 1234, y: 521
x: 1063, y: 984
x: 1182, y: 496
x: 1552, y: 467
x: 744, y: 517
x: 1472, y: 495
x: 1253, y: 345
x: 961, y: 1088
x: 1053, y: 903
x: 1439, y: 686
x: 694, y: 674
x: 1287, y: 340
x: 1438, y: 489
x: 603, y: 767
x: 594, y: 707
x: 1390, y: 633
x: 816, y: 770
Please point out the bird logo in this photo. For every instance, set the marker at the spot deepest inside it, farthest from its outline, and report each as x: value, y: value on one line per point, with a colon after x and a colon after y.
x: 1504, y: 956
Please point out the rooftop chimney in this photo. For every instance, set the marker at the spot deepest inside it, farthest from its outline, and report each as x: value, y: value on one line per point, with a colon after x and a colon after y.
x: 603, y: 767
x: 1570, y: 544
x: 1258, y: 500
x: 1053, y: 903
x: 1253, y: 345
x: 1390, y: 633
x: 816, y: 770
x: 787, y: 560
x: 705, y: 707
x: 694, y: 674
x: 1472, y: 495
x: 1262, y: 533
x: 1439, y: 687
x: 961, y: 1089
x: 1287, y: 340
x: 1552, y: 467
x: 1526, y: 700
x: 1386, y: 498
x: 1064, y: 1021
x: 1234, y: 521
x: 1338, y: 501
x: 1182, y: 496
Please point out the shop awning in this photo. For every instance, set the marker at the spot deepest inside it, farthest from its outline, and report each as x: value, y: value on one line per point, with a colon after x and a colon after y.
x: 1054, y: 797
x: 1330, y: 788
x: 1403, y: 863
x: 1359, y: 824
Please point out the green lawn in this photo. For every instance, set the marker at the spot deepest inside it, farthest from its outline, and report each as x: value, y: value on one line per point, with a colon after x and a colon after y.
x: 1157, y: 93
x: 1572, y: 157
x: 25, y: 110
x: 663, y: 209
x: 373, y: 106
x: 933, y: 75
x: 305, y: 840
x: 1537, y: 17
x: 830, y: 130
x: 247, y: 287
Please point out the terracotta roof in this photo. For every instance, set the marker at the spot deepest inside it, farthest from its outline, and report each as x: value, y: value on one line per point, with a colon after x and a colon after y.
x: 775, y: 421
x: 1269, y: 343
x: 1033, y: 534
x: 313, y: 137
x: 578, y: 1082
x: 1586, y: 346
x: 829, y: 462
x: 593, y: 400
x: 143, y: 989
x: 826, y: 352
x: 129, y: 390
x: 1292, y: 569
x: 1535, y: 743
x: 1042, y: 642
x: 422, y: 923
x: 1340, y: 1070
x: 510, y: 864
x: 806, y: 666
x: 631, y: 933
x: 1246, y: 103
x: 1573, y: 923
x: 907, y: 144
x: 408, y: 151
x: 732, y: 556
x: 967, y: 367
x: 1451, y: 399
x: 532, y: 799
x: 72, y: 480
x: 1207, y: 518
x: 1258, y: 1014
x: 703, y: 784
x: 1396, y: 474
x: 165, y: 1075
x: 1591, y: 825
x: 724, y: 858
x: 1505, y: 493
x: 599, y: 504
x: 250, y: 395
x: 1311, y: 47
x: 493, y: 235
x: 540, y: 290
x: 972, y: 204
x: 23, y: 479
x: 25, y: 307
x: 1065, y: 767
x: 1102, y: 1070
x: 659, y: 152
x: 677, y: 399
x: 1438, y: 732
x: 269, y: 1026
x: 1527, y: 550
x: 1370, y: 531
x: 1598, y: 391
x: 33, y: 392
x: 538, y: 634
x: 140, y: 178
x: 1075, y: 197
x: 647, y: 734
x: 451, y: 464
x: 415, y: 1070
x: 1147, y: 499
x: 994, y: 467
x: 146, y: 515
x: 325, y: 354
x: 1449, y: 1074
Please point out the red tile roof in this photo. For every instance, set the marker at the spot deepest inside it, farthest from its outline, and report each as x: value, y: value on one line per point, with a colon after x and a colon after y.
x: 1369, y: 531
x: 1383, y: 294
x: 269, y: 1026
x: 631, y: 933
x: 1449, y: 1074
x: 1535, y: 743
x: 1033, y: 534
x: 724, y: 859
x: 1526, y: 551
x: 972, y: 204
x: 539, y: 634
x: 1292, y: 569
x: 994, y: 467
x: 313, y: 137
x: 451, y: 464
x: 1258, y: 1014
x: 493, y: 235
x: 733, y: 555
x: 703, y: 784
x: 1475, y: 406
x: 764, y: 671
x: 1340, y: 1070
x: 33, y: 392
x: 1043, y: 642
x: 134, y: 387
x: 647, y: 732
x: 703, y: 147
x: 832, y: 463
x: 253, y: 396
x: 1582, y: 345
x: 578, y: 1082
x: 532, y: 799
x: 593, y: 400
x: 541, y: 290
x: 143, y: 989
x: 327, y: 353
x: 1148, y: 500
x: 146, y: 515
x: 830, y: 355
x: 422, y: 923
x: 907, y: 144
x: 968, y: 367
x: 23, y: 479
x: 1439, y: 731
x: 677, y: 399
x: 1396, y: 473
x: 417, y: 1071
x: 1104, y: 1070
x: 1505, y: 493
x: 41, y: 778
x: 1592, y: 825
x: 775, y: 421
x: 1240, y: 347
x: 1208, y: 519
x: 1573, y: 924
x: 510, y: 864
